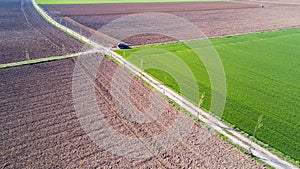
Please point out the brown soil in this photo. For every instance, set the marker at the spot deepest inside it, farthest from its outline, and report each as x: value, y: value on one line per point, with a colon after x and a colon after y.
x: 212, y: 18
x: 40, y: 129
x: 128, y: 8
x: 24, y: 34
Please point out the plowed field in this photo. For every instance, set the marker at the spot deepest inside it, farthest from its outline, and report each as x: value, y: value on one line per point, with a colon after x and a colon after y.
x: 24, y: 34
x: 39, y: 126
x: 212, y: 18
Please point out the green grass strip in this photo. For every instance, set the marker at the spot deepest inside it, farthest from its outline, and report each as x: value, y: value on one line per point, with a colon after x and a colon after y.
x: 262, y: 76
x: 35, y: 61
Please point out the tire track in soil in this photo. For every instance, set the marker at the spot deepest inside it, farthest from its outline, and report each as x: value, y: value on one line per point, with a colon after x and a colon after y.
x: 32, y: 27
x: 25, y: 34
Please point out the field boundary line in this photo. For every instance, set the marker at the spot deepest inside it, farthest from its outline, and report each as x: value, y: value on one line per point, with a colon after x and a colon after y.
x: 234, y: 136
x: 42, y: 60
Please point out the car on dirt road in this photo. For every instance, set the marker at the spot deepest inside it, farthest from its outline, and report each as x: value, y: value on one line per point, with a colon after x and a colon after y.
x: 123, y: 45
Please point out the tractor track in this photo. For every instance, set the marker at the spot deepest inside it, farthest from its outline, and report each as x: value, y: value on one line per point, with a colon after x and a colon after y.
x: 26, y: 35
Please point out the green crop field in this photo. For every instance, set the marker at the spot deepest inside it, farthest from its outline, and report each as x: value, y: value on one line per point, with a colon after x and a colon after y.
x: 263, y: 80
x: 108, y: 1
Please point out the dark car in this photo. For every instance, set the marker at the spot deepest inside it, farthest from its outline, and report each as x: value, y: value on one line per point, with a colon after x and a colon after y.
x: 123, y: 45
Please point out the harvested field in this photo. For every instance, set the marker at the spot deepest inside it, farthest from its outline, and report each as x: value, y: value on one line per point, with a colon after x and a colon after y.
x: 24, y: 34
x: 213, y: 18
x: 40, y: 129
